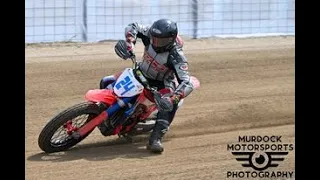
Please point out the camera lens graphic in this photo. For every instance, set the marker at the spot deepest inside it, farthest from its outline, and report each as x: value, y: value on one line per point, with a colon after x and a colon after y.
x: 260, y: 160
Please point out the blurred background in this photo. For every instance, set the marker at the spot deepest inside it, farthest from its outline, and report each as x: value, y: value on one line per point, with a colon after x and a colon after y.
x: 98, y: 20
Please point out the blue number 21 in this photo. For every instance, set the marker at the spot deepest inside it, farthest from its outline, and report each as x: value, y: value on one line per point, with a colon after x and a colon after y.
x: 126, y: 82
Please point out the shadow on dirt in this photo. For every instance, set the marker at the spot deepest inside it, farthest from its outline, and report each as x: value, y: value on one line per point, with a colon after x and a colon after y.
x: 100, y: 151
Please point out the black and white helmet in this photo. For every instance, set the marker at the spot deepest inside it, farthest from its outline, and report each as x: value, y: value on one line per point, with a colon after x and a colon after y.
x: 163, y: 33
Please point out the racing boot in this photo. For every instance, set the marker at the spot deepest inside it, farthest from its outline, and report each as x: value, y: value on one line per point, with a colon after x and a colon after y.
x: 161, y: 127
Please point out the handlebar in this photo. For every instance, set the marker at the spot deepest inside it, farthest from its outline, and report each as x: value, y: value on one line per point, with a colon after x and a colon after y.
x: 133, y: 59
x: 144, y: 81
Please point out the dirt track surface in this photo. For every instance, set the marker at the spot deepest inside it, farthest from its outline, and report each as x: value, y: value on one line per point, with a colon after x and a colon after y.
x: 247, y: 88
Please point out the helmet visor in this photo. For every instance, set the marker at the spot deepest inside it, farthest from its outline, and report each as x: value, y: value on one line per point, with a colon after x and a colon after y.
x: 161, y: 42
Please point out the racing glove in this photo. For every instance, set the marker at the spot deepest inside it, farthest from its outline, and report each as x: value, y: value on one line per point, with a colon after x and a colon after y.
x: 166, y: 103
x: 124, y: 49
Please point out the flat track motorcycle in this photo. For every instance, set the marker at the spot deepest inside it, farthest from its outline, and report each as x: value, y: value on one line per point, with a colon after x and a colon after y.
x: 129, y: 106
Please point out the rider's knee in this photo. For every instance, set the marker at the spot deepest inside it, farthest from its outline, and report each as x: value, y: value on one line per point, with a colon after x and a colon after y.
x: 105, y: 81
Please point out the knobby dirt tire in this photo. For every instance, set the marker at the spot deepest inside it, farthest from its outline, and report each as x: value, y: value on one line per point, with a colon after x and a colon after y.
x: 44, y: 139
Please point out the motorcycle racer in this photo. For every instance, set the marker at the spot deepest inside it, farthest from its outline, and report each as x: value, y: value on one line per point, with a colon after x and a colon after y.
x: 163, y: 62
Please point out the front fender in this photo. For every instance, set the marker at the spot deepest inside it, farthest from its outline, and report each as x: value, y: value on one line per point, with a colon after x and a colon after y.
x: 101, y: 95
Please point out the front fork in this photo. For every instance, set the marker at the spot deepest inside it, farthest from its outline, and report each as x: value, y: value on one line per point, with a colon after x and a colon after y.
x: 104, y: 115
